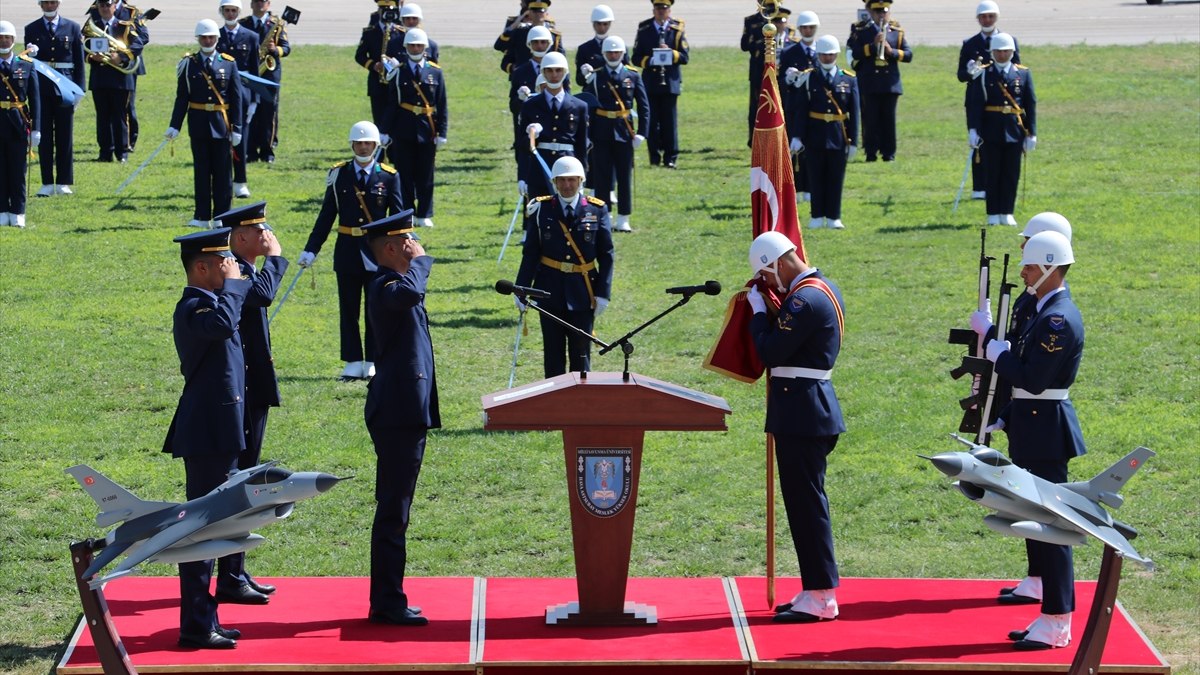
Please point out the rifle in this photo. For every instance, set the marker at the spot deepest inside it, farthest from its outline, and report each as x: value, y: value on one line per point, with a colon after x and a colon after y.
x: 974, y: 363
x: 1003, y: 317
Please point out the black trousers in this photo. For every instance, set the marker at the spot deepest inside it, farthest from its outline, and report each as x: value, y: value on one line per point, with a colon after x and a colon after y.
x: 415, y: 163
x: 879, y: 124
x: 352, y: 292
x: 264, y: 129
x: 14, y: 158
x: 112, y: 122
x: 131, y: 115
x: 249, y: 112
x: 197, y: 607
x: 801, y: 461
x: 613, y: 160
x: 398, y: 456
x: 1054, y: 563
x: 1002, y: 168
x: 56, y: 151
x: 231, y: 569
x: 800, y: 172
x: 211, y: 166
x: 662, y: 138
x: 978, y: 173
x: 555, y: 338
x: 826, y: 176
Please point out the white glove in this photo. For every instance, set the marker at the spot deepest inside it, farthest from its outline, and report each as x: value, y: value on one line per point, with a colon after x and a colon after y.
x: 637, y: 141
x: 440, y: 141
x: 851, y: 150
x: 973, y: 139
x: 974, y: 69
x: 981, y: 321
x: 32, y: 50
x: 757, y: 303
x: 791, y: 75
x: 601, y: 305
x: 385, y: 140
x: 588, y: 72
x: 35, y: 137
x: 995, y: 348
x: 523, y: 92
x: 522, y: 187
x: 535, y: 129
x: 796, y: 146
x: 520, y: 305
x: 994, y: 427
x: 1030, y: 143
x: 172, y: 134
x: 306, y: 259
x: 235, y: 138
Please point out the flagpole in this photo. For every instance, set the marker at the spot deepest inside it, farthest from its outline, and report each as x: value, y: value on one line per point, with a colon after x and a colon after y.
x: 769, y: 32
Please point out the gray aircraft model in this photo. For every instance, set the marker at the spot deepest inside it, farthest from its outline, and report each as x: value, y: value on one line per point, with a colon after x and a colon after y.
x: 1033, y: 508
x: 215, y: 525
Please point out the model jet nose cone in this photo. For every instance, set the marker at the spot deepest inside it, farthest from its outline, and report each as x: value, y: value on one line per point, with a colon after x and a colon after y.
x: 326, y: 481
x: 950, y: 465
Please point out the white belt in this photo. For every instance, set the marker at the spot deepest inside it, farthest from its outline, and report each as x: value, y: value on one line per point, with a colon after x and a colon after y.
x: 556, y: 147
x: 1048, y: 395
x: 806, y: 373
x: 59, y: 65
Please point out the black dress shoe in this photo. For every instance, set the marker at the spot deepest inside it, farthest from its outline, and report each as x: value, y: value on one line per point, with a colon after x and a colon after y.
x: 398, y: 617
x: 1031, y: 645
x: 783, y: 608
x: 242, y: 595
x: 1017, y: 635
x: 1007, y: 590
x: 104, y: 158
x: 229, y: 633
x: 889, y: 158
x: 871, y: 158
x: 213, y: 640
x: 1014, y: 599
x: 789, y: 616
x: 265, y: 589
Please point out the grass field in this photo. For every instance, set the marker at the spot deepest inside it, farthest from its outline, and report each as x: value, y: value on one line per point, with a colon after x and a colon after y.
x: 88, y: 371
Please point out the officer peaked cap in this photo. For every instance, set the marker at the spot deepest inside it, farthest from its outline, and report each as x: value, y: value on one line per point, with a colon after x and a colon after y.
x: 399, y: 224
x: 215, y: 242
x: 254, y: 215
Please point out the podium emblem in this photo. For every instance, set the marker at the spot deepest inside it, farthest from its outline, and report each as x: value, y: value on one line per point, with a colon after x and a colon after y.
x: 603, y: 477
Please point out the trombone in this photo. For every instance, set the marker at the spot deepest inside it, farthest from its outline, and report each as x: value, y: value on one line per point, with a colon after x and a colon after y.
x: 116, y: 53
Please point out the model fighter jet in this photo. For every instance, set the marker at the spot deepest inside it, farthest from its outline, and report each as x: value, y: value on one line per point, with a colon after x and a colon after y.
x: 1033, y: 508
x: 215, y: 525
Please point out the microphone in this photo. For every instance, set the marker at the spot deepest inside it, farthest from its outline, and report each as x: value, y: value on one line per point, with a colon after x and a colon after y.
x: 709, y: 287
x: 506, y: 287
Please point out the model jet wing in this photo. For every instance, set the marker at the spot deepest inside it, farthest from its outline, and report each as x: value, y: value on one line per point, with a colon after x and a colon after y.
x: 1104, y: 533
x: 146, y: 549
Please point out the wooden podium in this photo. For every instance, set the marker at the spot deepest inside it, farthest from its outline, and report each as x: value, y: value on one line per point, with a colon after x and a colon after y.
x: 604, y: 418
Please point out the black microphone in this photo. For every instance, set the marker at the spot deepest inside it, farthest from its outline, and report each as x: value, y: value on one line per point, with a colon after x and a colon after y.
x: 709, y: 287
x: 506, y: 287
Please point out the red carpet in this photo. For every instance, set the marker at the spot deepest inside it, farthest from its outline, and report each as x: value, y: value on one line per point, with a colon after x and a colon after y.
x: 318, y: 624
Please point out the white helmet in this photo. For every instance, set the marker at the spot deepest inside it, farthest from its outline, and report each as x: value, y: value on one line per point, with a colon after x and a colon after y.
x: 807, y: 18
x: 1048, y: 221
x: 602, y: 13
x: 207, y: 27
x: 827, y: 44
x: 411, y: 9
x: 987, y: 7
x: 230, y: 3
x: 766, y: 249
x: 554, y: 60
x: 7, y: 28
x: 611, y: 44
x: 415, y: 36
x: 364, y: 131
x: 1003, y: 41
x: 538, y: 33
x: 1048, y: 249
x: 567, y: 166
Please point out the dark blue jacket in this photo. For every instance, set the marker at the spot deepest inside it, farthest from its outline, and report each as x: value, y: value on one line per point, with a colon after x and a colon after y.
x: 403, y: 392
x: 63, y: 50
x: 103, y: 76
x: 986, y: 101
x: 978, y: 47
x: 194, y: 87
x: 807, y: 333
x: 341, y: 205
x: 629, y: 90
x: 395, y: 47
x: 408, y: 118
x: 525, y: 75
x: 661, y: 80
x: 516, y: 52
x: 569, y: 126
x: 544, y: 239
x: 16, y: 123
x: 592, y: 52
x: 874, y: 78
x: 209, y: 418
x: 814, y: 98
x: 263, y: 29
x: 262, y: 387
x: 372, y: 46
x: 796, y: 55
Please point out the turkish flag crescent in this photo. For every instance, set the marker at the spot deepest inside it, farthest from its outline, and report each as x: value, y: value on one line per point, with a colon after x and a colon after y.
x: 772, y: 207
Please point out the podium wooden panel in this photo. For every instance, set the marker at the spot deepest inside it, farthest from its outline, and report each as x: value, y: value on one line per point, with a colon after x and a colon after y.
x: 603, y: 418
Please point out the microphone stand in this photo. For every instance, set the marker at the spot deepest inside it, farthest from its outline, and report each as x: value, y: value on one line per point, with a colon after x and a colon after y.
x: 627, y: 346
x: 531, y: 303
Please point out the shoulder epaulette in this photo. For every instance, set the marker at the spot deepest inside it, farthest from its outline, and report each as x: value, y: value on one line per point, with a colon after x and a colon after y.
x: 227, y: 57
x: 1020, y: 67
x: 25, y: 57
x: 675, y: 22
x: 341, y: 164
x: 849, y: 72
x: 386, y: 168
x: 634, y: 68
x: 432, y: 64
x: 593, y: 200
x: 808, y: 70
x: 859, y: 25
x: 645, y: 23
x: 543, y: 198
x: 368, y: 28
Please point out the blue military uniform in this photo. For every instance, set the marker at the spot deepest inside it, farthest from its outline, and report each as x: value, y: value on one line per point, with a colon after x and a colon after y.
x: 591, y: 53
x: 395, y: 47
x: 663, y: 85
x: 978, y: 48
x: 207, y: 431
x: 402, y: 405
x: 1041, y: 424
x: 113, y: 90
x: 1002, y: 108
x: 60, y: 45
x: 823, y: 114
x: 571, y: 257
x: 564, y: 134
x: 127, y: 12
x: 801, y: 347
x: 264, y: 126
x: 525, y: 75
x: 211, y: 96
x: 512, y: 42
x: 354, y: 203
x: 20, y: 114
x: 801, y: 56
x: 242, y: 45
x: 620, y: 92
x: 372, y: 47
x: 415, y: 119
x: 878, y: 83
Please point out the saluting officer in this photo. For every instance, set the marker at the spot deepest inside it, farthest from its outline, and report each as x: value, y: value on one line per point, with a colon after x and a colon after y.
x: 418, y: 124
x: 210, y: 94
x: 112, y: 81
x: 619, y: 91
x: 273, y: 41
x: 877, y: 49
x: 793, y: 60
x: 356, y: 193
x: 242, y: 45
x: 659, y: 49
x: 976, y: 52
x: 589, y: 56
x: 411, y: 16
x: 513, y: 41
x: 823, y: 125
x: 1002, y: 124
x: 20, y: 124
x: 60, y: 44
x: 208, y: 430
x: 371, y: 53
x: 558, y: 123
x: 568, y: 252
x: 250, y: 237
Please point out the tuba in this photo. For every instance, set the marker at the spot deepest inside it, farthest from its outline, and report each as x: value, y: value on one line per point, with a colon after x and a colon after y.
x: 116, y: 49
x: 266, y: 61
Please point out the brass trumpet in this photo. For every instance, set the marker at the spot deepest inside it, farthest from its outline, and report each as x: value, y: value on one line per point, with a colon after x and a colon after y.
x: 266, y: 60
x: 116, y: 48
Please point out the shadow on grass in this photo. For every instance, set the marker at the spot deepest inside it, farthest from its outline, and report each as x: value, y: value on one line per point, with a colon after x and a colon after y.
x: 473, y: 321
x: 110, y: 228
x: 923, y: 227
x: 14, y: 657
